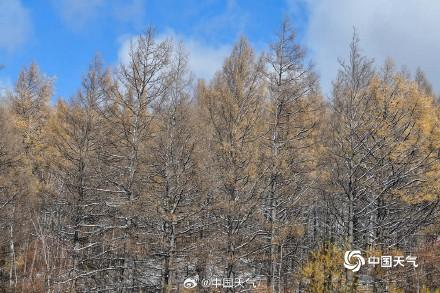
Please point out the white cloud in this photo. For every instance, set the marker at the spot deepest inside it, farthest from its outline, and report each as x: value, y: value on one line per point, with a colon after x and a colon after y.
x: 204, y: 59
x: 406, y: 30
x: 15, y: 24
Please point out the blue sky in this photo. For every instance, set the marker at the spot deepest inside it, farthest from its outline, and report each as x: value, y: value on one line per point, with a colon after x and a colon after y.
x: 63, y: 36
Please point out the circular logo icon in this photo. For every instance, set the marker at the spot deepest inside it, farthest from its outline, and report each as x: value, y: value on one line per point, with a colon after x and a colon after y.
x: 190, y: 283
x: 360, y: 261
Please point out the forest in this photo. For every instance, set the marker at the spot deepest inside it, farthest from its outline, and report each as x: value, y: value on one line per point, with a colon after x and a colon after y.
x: 147, y: 179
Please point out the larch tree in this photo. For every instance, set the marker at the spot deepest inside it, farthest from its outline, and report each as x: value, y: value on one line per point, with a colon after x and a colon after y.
x: 16, y: 189
x: 129, y: 116
x: 232, y: 105
x: 173, y: 202
x: 30, y: 105
x: 29, y: 109
x: 84, y: 225
x: 292, y: 107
